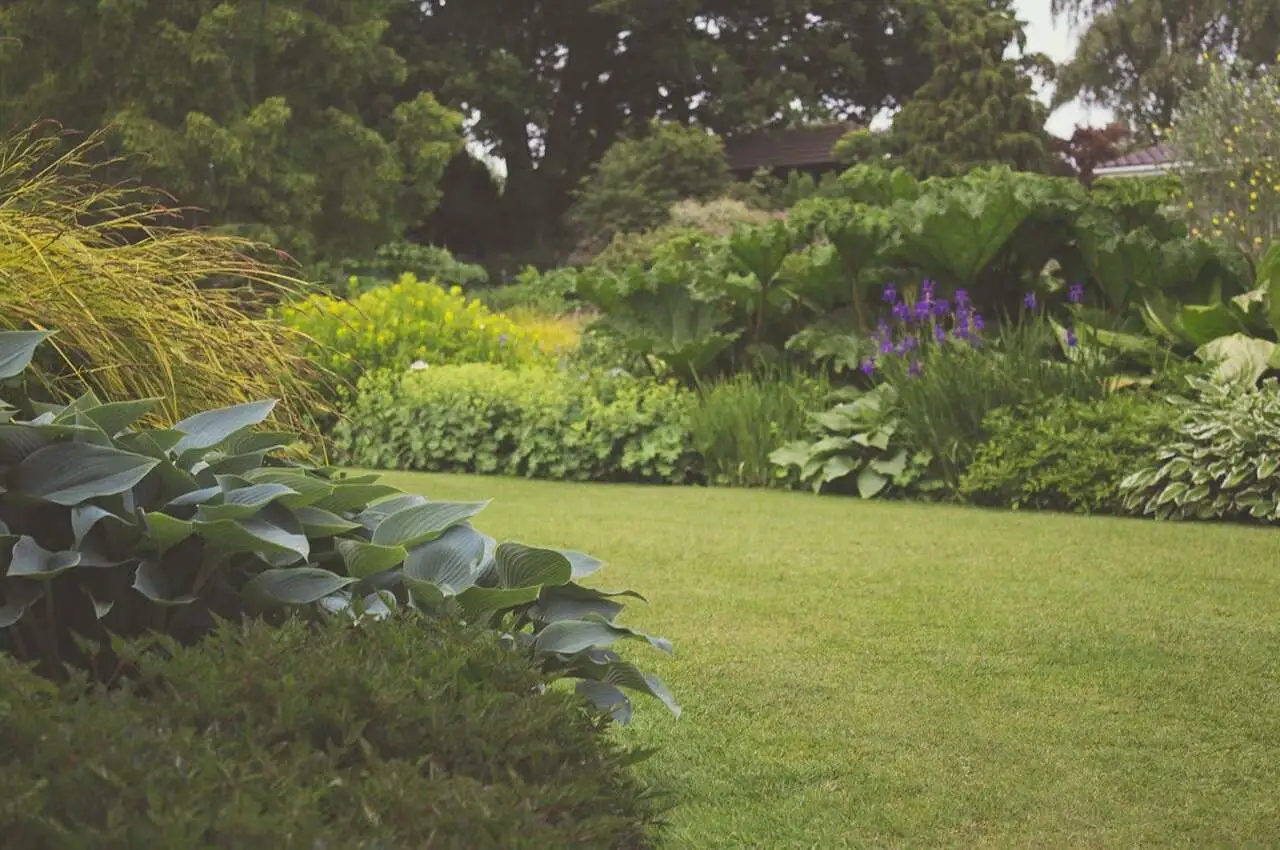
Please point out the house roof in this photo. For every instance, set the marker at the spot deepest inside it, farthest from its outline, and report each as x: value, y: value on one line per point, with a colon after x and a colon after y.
x: 798, y: 148
x: 1153, y: 160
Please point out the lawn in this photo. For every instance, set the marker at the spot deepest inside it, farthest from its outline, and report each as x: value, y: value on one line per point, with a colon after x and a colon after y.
x: 875, y: 674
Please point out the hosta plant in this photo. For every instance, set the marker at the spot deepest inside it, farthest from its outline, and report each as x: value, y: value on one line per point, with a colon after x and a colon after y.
x: 110, y: 528
x: 859, y: 441
x: 1222, y: 463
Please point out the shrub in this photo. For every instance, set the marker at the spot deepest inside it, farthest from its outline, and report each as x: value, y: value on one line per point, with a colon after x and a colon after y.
x: 108, y: 528
x: 404, y: 733
x: 552, y: 291
x: 133, y: 297
x: 737, y: 423
x: 1222, y: 462
x: 393, y: 326
x: 396, y: 259
x: 859, y: 447
x: 537, y: 423
x: 1062, y: 454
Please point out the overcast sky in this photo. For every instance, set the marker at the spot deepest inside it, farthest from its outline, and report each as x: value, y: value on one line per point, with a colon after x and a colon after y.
x: 1058, y: 41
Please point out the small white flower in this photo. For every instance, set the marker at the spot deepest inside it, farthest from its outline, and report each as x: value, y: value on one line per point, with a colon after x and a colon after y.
x: 419, y: 365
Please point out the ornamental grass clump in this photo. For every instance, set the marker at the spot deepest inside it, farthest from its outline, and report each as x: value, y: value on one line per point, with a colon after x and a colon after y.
x: 950, y: 370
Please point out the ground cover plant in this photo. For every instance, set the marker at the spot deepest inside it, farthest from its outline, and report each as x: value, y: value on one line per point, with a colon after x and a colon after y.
x: 897, y: 674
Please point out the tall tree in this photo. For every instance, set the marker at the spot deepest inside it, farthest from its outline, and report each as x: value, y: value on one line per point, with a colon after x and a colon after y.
x: 1140, y: 57
x: 550, y: 86
x: 977, y: 108
x: 276, y: 117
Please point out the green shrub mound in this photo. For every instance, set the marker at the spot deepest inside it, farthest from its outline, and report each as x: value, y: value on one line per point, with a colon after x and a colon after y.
x: 1064, y: 454
x: 404, y: 733
x: 108, y: 528
x: 536, y: 423
x: 1221, y: 463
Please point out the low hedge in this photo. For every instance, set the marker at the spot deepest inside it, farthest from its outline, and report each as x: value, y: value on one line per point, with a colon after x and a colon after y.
x: 1067, y: 455
x: 534, y: 422
x: 390, y: 734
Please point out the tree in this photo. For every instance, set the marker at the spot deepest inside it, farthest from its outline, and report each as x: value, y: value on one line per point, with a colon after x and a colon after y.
x: 276, y: 117
x: 637, y: 181
x: 977, y: 108
x: 1140, y: 57
x: 551, y: 86
x: 1087, y: 148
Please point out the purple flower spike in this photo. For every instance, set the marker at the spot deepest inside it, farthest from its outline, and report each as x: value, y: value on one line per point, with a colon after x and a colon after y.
x: 901, y: 311
x: 923, y: 310
x: 1072, y: 342
x: 978, y: 323
x: 962, y: 330
x: 913, y: 371
x: 868, y: 366
x: 890, y: 294
x: 926, y: 290
x: 939, y: 333
x: 886, y: 346
x: 962, y: 297
x: 1075, y: 293
x: 941, y: 307
x: 1029, y: 300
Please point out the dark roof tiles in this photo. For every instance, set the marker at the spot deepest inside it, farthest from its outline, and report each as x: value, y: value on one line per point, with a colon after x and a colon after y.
x: 1154, y: 155
x: 798, y: 148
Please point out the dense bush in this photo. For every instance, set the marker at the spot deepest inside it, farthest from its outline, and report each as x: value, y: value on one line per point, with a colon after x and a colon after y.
x: 108, y: 528
x: 739, y: 422
x: 1064, y: 454
x: 553, y: 291
x: 393, y: 326
x: 396, y: 259
x: 538, y: 423
x: 145, y: 309
x: 403, y: 733
x: 1221, y: 463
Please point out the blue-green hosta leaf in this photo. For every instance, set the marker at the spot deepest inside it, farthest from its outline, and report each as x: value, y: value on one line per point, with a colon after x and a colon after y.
x: 583, y: 564
x: 70, y: 473
x: 196, y: 497
x: 208, y: 429
x: 347, y: 497
x: 837, y: 467
x: 101, y: 608
x: 379, y: 605
x: 152, y: 443
x: 17, y: 349
x: 84, y: 517
x: 892, y: 467
x: 18, y: 440
x: 575, y: 602
x: 243, y: 502
x: 274, y: 530
x: 424, y: 594
x: 237, y: 464
x: 18, y: 596
x: 479, y: 604
x: 319, y: 523
x: 30, y: 560
x: 792, y: 454
x: 449, y: 562
x: 165, y: 531
x: 115, y: 416
x: 572, y: 637
x: 622, y: 674
x: 152, y: 582
x: 424, y: 522
x: 870, y: 483
x: 367, y: 559
x: 607, y: 697
x: 295, y: 586
x: 372, y: 516
x: 255, y: 442
x: 524, y: 566
x: 308, y: 489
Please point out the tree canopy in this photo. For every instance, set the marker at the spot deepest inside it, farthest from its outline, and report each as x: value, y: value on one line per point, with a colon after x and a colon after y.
x: 275, y: 117
x: 1140, y: 57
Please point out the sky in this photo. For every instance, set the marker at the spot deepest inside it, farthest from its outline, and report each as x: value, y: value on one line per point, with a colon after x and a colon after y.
x: 1057, y: 40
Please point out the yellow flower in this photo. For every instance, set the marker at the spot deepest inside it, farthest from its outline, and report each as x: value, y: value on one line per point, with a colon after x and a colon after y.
x: 455, y: 291
x: 1231, y: 184
x: 448, y: 316
x: 1217, y: 220
x: 1191, y: 204
x: 1195, y: 231
x: 1257, y: 240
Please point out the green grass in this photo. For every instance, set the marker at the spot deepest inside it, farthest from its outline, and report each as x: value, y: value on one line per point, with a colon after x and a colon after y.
x: 875, y: 674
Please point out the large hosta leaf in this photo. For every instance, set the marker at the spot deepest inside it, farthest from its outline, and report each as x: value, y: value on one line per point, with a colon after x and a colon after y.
x: 423, y: 522
x: 17, y: 596
x: 153, y: 582
x: 1238, y: 358
x: 30, y: 560
x: 449, y: 562
x: 208, y: 429
x: 296, y: 586
x: 575, y: 602
x: 115, y: 416
x: 164, y: 532
x: 348, y: 496
x: 478, y: 604
x: 366, y: 559
x: 243, y: 502
x: 607, y: 697
x: 372, y: 516
x: 319, y: 523
x: 571, y: 637
x: 274, y: 530
x: 523, y: 566
x: 16, y: 350
x: 622, y: 674
x: 70, y: 473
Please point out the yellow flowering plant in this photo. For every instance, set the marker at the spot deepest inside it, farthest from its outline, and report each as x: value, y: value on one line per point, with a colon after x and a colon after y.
x: 1226, y: 143
x: 413, y: 321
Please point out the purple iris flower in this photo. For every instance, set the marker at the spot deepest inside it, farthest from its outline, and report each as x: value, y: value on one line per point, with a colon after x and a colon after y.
x: 962, y: 330
x: 886, y: 346
x: 978, y: 323
x: 922, y: 310
x: 868, y: 366
x: 962, y: 297
x: 939, y: 333
x: 1030, y: 300
x: 502, y: 340
x: 1072, y: 342
x: 1075, y: 293
x: 941, y: 307
x: 926, y: 290
x: 913, y: 371
x: 901, y: 311
x: 890, y: 294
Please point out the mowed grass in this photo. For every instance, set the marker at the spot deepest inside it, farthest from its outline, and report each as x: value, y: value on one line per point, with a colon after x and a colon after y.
x: 874, y: 674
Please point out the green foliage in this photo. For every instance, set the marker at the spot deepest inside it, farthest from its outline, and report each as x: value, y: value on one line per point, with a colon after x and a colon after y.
x: 739, y: 422
x: 536, y: 423
x: 858, y: 445
x: 553, y: 291
x: 1061, y: 454
x: 394, y: 260
x: 1222, y: 462
x: 977, y: 108
x: 105, y: 527
x: 407, y: 321
x: 637, y: 181
x: 280, y: 120
x: 404, y: 733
